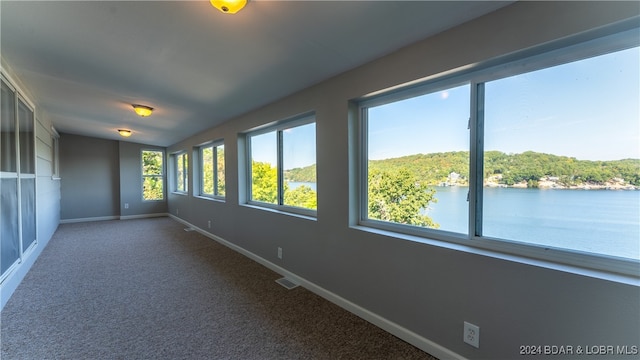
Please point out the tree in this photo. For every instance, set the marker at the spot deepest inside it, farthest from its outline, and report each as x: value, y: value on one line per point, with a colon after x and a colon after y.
x: 303, y: 196
x: 207, y: 170
x: 222, y: 187
x: 152, y: 184
x: 264, y: 182
x: 399, y: 197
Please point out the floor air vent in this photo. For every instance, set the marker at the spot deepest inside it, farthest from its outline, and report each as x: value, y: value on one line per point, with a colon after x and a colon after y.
x: 287, y: 283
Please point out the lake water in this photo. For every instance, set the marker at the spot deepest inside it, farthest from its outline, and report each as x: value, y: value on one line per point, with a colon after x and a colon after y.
x: 599, y: 221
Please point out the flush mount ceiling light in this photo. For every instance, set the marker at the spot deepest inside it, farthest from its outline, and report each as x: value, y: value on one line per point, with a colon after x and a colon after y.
x: 124, y: 132
x: 142, y: 110
x: 229, y: 6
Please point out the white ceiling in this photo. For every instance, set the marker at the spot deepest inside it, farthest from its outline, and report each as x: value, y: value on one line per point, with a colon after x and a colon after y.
x: 85, y: 63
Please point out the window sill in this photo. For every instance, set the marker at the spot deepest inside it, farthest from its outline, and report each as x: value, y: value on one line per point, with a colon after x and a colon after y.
x: 281, y: 211
x: 465, y: 245
x: 210, y: 198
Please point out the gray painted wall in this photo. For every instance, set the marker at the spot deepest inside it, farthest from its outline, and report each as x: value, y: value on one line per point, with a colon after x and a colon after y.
x: 131, y: 182
x: 426, y: 287
x: 100, y: 176
x: 90, y: 177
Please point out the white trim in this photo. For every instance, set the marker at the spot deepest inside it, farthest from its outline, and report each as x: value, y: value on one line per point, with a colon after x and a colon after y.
x: 387, y: 325
x: 106, y: 218
x: 97, y: 218
x: 143, y: 216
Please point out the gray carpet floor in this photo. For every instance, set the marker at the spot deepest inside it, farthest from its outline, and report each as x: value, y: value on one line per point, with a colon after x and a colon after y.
x: 146, y: 289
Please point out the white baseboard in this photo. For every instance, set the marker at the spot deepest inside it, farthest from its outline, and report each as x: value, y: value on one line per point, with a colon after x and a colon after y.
x: 389, y: 326
x: 142, y: 216
x: 97, y: 218
x: 105, y: 218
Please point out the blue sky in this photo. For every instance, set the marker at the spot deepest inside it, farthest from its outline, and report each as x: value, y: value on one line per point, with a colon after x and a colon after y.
x: 588, y: 109
x: 299, y: 147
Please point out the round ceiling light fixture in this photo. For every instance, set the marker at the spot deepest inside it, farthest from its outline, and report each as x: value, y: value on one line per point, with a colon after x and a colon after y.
x: 142, y: 110
x: 124, y: 132
x: 229, y: 6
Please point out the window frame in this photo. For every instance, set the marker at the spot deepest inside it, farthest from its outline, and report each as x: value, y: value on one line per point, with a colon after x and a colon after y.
x: 55, y: 154
x: 161, y: 176
x: 176, y: 171
x: 214, y: 145
x: 546, y: 56
x: 279, y: 127
x: 22, y: 156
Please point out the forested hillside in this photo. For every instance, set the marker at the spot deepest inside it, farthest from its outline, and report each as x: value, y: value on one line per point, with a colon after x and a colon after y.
x: 530, y: 168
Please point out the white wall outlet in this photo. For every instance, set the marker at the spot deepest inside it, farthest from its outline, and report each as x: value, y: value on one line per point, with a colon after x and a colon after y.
x: 177, y: 211
x: 209, y: 224
x: 126, y: 205
x: 471, y: 334
x: 279, y: 253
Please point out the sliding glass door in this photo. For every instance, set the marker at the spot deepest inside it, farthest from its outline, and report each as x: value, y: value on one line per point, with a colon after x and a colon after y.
x: 17, y: 179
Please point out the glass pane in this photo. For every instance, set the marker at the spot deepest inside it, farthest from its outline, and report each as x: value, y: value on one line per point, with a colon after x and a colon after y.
x: 152, y: 171
x: 25, y: 128
x: 153, y: 188
x: 220, y: 184
x: 206, y: 155
x: 28, y: 195
x: 9, y: 241
x: 562, y: 157
x: 7, y: 130
x: 181, y: 167
x: 418, y: 160
x: 152, y: 162
x: 299, y: 164
x: 264, y: 174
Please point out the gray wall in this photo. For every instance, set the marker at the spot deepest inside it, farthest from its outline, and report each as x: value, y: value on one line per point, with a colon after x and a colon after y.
x: 99, y: 176
x: 90, y: 177
x: 425, y: 288
x: 131, y: 182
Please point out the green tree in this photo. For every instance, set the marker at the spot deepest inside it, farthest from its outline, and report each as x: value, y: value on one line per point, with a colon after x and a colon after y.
x: 399, y: 197
x: 152, y: 174
x: 221, y: 172
x: 303, y: 196
x: 207, y: 170
x: 264, y: 182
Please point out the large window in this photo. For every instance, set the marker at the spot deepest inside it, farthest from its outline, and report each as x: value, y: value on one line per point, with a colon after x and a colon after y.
x: 282, y: 163
x: 152, y: 175
x: 212, y: 182
x: 546, y: 164
x: 181, y: 166
x: 418, y: 159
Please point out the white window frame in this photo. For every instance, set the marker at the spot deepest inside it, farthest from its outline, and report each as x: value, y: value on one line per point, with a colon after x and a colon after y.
x: 214, y: 145
x: 55, y: 154
x: 278, y: 127
x: 529, y: 60
x: 18, y: 174
x: 161, y: 176
x: 185, y: 170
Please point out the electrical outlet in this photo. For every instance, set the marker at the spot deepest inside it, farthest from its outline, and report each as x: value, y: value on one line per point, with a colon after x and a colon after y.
x: 177, y: 211
x: 209, y: 224
x: 279, y: 253
x: 471, y: 334
x: 126, y: 205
